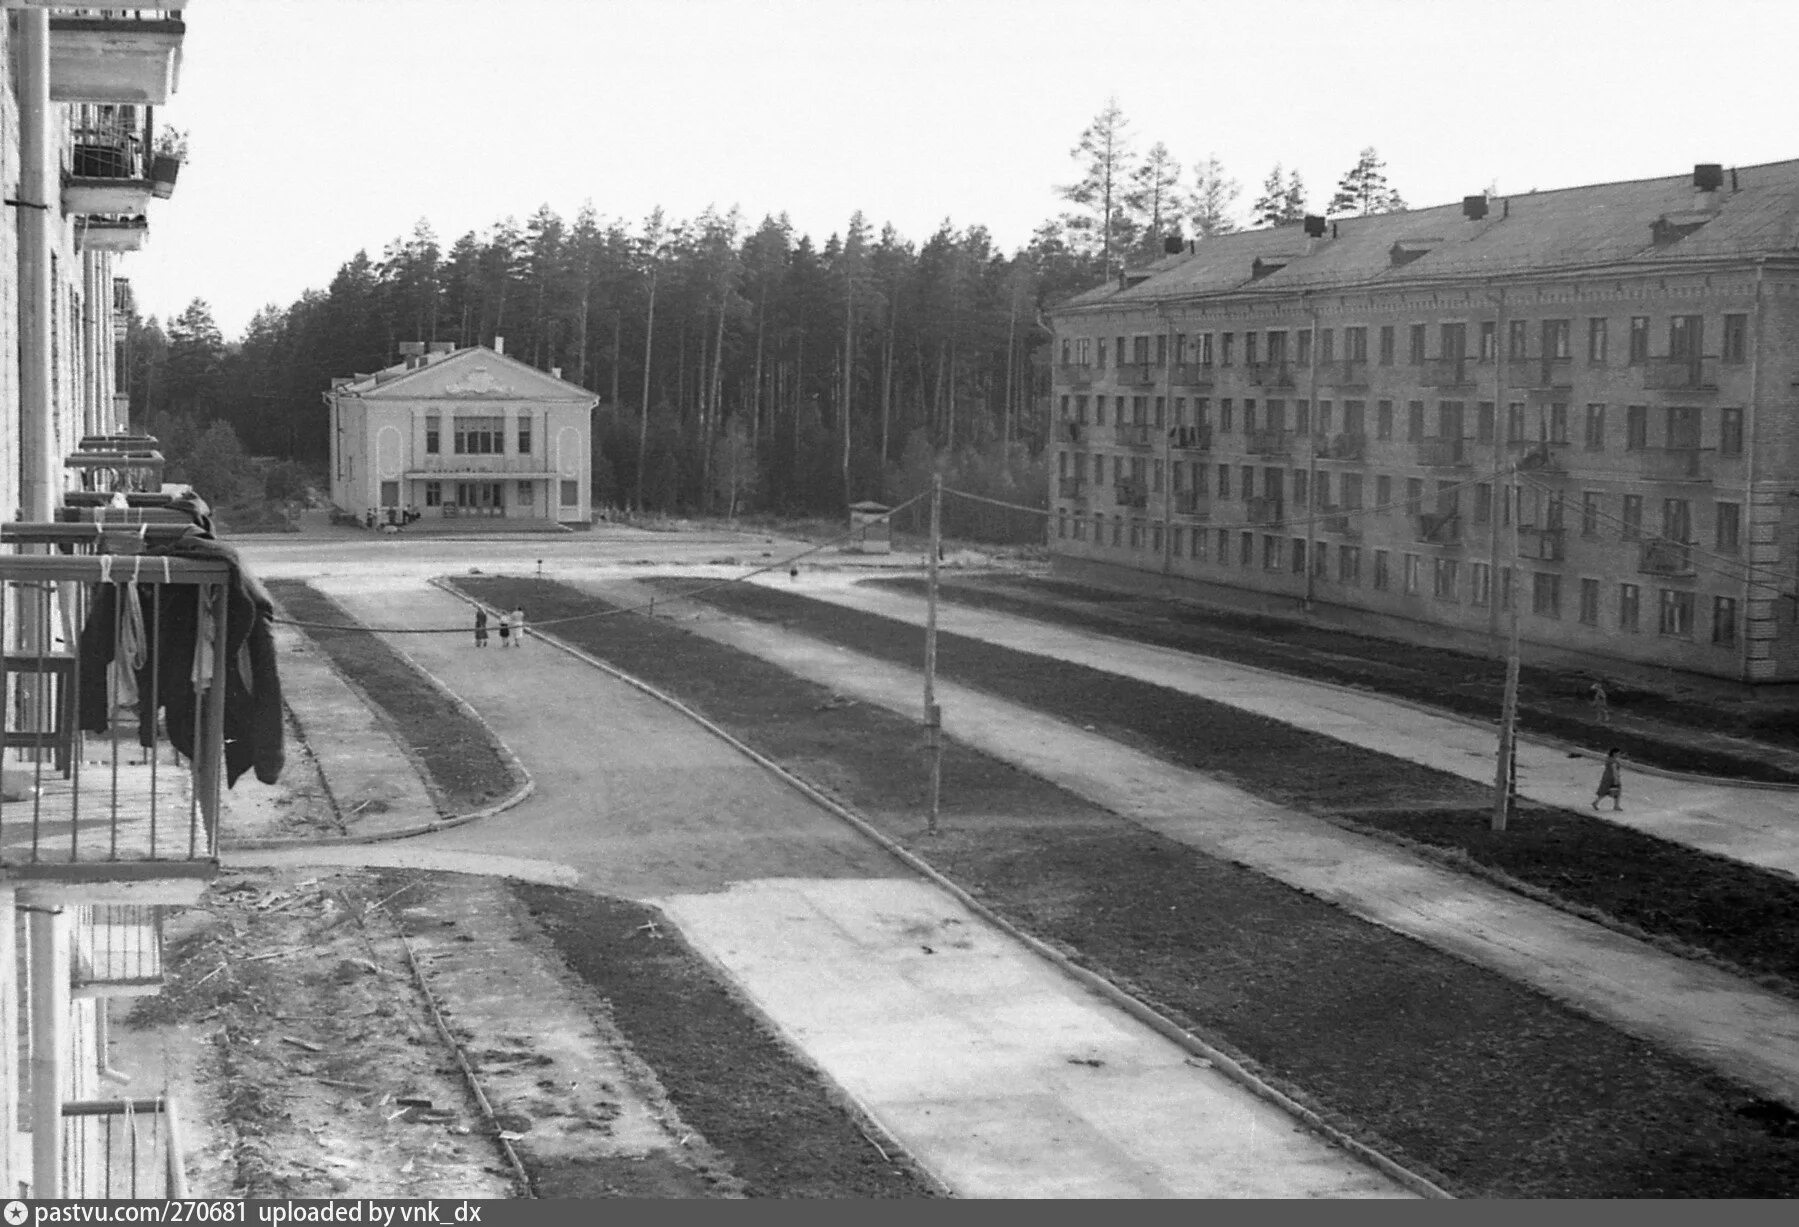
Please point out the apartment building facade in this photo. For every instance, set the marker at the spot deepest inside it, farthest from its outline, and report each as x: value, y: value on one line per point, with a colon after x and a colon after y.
x: 1582, y: 401
x: 459, y: 433
x: 85, y: 872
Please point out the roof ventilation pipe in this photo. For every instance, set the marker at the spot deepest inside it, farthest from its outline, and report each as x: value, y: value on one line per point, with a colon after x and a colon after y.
x: 1474, y: 207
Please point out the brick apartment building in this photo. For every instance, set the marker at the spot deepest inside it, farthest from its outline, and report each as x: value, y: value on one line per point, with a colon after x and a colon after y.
x: 1333, y: 414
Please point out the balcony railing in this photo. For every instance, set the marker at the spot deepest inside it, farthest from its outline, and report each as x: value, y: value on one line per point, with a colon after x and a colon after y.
x: 1265, y: 509
x: 1681, y: 374
x: 117, y: 950
x: 1445, y: 453
x: 1070, y: 431
x: 1446, y: 373
x: 1345, y: 445
x: 1439, y: 527
x: 1341, y: 524
x: 1192, y: 375
x: 1543, y: 543
x: 1271, y: 442
x: 480, y: 466
x: 137, y: 470
x: 1678, y: 464
x: 141, y: 798
x: 1669, y: 558
x: 120, y: 1148
x: 1346, y: 373
x: 1191, y: 438
x: 1271, y: 375
x: 1131, y: 494
x: 106, y: 160
x: 1139, y: 374
x: 1131, y: 434
x: 1541, y: 456
x: 1074, y: 374
x: 1071, y: 487
x: 1194, y: 504
x: 1541, y: 379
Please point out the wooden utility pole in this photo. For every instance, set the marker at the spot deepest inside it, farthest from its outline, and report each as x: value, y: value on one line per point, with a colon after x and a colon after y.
x: 1505, y: 785
x: 933, y: 716
x: 643, y: 421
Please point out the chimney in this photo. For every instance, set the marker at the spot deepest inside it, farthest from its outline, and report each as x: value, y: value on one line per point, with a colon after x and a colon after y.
x: 1173, y: 245
x: 1708, y: 177
x: 499, y: 345
x: 1474, y: 207
x: 1314, y: 226
x: 412, y: 353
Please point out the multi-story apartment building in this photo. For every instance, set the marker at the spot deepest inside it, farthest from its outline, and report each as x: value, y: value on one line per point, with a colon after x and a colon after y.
x: 97, y: 835
x: 1583, y: 400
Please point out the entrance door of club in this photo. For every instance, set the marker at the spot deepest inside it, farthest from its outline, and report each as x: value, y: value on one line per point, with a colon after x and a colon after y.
x: 480, y: 498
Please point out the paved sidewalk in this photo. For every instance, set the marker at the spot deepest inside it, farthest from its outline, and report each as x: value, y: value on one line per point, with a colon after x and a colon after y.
x: 1711, y: 1016
x: 975, y: 1055
x: 1756, y: 826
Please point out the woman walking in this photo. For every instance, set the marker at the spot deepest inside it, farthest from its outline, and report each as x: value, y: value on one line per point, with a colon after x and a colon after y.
x: 505, y: 630
x: 1611, y: 780
x: 480, y: 627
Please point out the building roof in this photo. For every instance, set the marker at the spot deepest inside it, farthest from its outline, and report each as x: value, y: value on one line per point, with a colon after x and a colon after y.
x: 475, y: 373
x: 1611, y: 226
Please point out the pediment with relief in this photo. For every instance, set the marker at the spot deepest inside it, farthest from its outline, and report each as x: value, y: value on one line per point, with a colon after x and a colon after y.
x: 478, y: 381
x: 478, y: 374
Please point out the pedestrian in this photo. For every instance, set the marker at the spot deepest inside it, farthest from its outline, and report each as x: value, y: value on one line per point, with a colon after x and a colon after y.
x: 1611, y: 779
x: 518, y: 627
x: 505, y: 630
x: 480, y: 627
x: 1602, y: 710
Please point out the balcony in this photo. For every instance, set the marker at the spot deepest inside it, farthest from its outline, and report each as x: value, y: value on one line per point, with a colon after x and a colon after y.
x: 116, y: 55
x: 1439, y: 527
x: 111, y: 232
x: 1544, y: 457
x: 1671, y: 559
x: 137, y: 803
x: 1139, y: 374
x: 1191, y: 438
x: 1351, y: 374
x: 1270, y: 441
x: 1193, y: 504
x: 1271, y: 375
x: 1340, y: 523
x: 1131, y: 494
x: 1072, y: 487
x: 1447, y: 373
x: 1543, y: 380
x: 1067, y: 431
x: 106, y: 166
x: 1345, y: 445
x: 1132, y: 434
x: 120, y: 1148
x: 1266, y: 510
x: 1542, y: 543
x: 1192, y: 375
x: 1678, y: 464
x: 1681, y: 375
x: 439, y: 466
x: 1074, y: 375
x: 117, y: 950
x: 139, y: 470
x: 1445, y: 454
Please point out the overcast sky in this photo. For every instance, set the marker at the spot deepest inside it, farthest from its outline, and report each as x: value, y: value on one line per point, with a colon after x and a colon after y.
x: 319, y: 127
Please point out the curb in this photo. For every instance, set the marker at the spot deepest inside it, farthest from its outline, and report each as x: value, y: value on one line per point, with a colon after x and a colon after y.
x: 1138, y: 1009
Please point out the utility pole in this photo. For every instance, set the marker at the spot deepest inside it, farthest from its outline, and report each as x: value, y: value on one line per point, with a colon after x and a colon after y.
x: 643, y: 421
x: 933, y: 715
x: 1313, y: 426
x: 1505, y: 785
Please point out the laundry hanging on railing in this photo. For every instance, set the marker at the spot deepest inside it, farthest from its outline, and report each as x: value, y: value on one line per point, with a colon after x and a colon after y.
x: 173, y: 624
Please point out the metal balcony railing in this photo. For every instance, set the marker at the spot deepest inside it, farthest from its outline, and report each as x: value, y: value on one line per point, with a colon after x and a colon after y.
x: 1192, y: 375
x: 1541, y: 456
x: 1444, y: 453
x: 1344, y: 373
x: 1266, y: 510
x: 1131, y: 434
x: 1446, y: 373
x: 1681, y: 374
x: 116, y: 950
x: 137, y: 470
x: 107, y: 142
x: 1191, y: 438
x: 146, y: 792
x: 1669, y: 558
x: 1071, y: 487
x: 1439, y: 527
x: 1341, y: 524
x: 121, y: 1148
x: 1345, y: 445
x: 477, y: 466
x: 1194, y: 504
x: 1074, y: 374
x: 1542, y: 543
x: 1271, y: 442
x: 1139, y: 374
x: 1131, y: 494
x: 1271, y: 375
x: 1678, y: 464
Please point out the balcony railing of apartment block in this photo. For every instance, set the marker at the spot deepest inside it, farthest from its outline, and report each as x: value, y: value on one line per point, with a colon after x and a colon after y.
x: 1071, y: 487
x: 137, y: 471
x: 1070, y: 431
x: 1192, y: 375
x: 1131, y: 494
x: 1132, y: 434
x: 1681, y: 374
x: 478, y: 466
x: 1339, y: 523
x: 107, y: 142
x: 1678, y: 464
x: 1270, y: 441
x: 121, y: 1148
x: 1347, y: 373
x: 1439, y: 527
x: 1445, y: 453
x: 1271, y: 375
x: 1265, y: 509
x: 1542, y: 542
x: 141, y: 799
x: 1139, y: 374
x: 1193, y: 504
x: 1344, y: 445
x: 1667, y: 558
x: 1543, y: 457
x: 1542, y: 378
x: 1191, y: 438
x: 1074, y: 374
x: 1446, y: 373
x: 117, y: 950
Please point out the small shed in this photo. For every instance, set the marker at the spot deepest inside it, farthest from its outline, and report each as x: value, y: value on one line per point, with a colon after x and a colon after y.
x: 871, y: 531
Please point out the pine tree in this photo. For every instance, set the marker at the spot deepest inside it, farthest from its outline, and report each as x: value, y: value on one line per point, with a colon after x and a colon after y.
x: 1363, y: 188
x: 1154, y: 199
x: 1214, y: 193
x: 1283, y: 198
x: 1105, y: 155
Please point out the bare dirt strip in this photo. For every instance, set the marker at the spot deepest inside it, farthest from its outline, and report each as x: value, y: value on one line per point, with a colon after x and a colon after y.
x: 1455, y: 1071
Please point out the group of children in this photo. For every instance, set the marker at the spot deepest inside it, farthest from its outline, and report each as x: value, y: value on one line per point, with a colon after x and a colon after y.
x: 512, y: 628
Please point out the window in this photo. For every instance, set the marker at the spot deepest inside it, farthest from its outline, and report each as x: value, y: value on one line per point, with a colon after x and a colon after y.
x: 1224, y: 547
x: 1386, y: 345
x: 1199, y: 545
x: 1080, y: 409
x: 1736, y: 338
x: 1303, y: 344
x: 1506, y: 585
x: 1483, y: 422
x: 1677, y: 520
x: 1161, y: 412
x: 1483, y: 503
x: 1724, y: 621
x: 1299, y: 487
x: 1729, y: 518
x: 1452, y: 342
x: 1589, y: 602
x: 1383, y: 420
x: 1226, y: 343
x: 1557, y: 346
x: 1246, y: 549
x: 1480, y: 583
x: 1117, y: 530
x: 1355, y: 417
x: 1382, y: 581
x: 1249, y: 482
x: 1277, y: 347
x: 1686, y: 337
x: 1515, y: 336
x: 1514, y: 422
x: 1082, y: 350
x: 1249, y: 349
x: 1224, y: 481
x: 1633, y: 517
x: 1067, y: 354
x: 1413, y: 569
x: 1383, y: 492
x: 1271, y: 553
x: 1446, y: 580
x: 1102, y: 352
x: 1321, y: 560
x: 1352, y: 491
x: 1594, y: 436
x: 1676, y: 613
x: 1639, y: 339
x: 1630, y: 598
x: 1489, y: 340
x: 1302, y: 416
x: 1589, y: 513
x: 524, y: 437
x: 1414, y: 421
x: 1327, y: 345
x: 1299, y: 555
x: 1136, y: 534
x: 1224, y: 414
x: 1204, y: 343
x: 1155, y: 481
x: 1355, y: 344
x: 527, y: 493
x: 1162, y: 349
x: 1062, y: 524
x: 433, y: 445
x: 1416, y: 351
x: 1546, y: 594
x: 1558, y: 423
x: 1597, y: 341
x: 1730, y: 432
x: 1636, y: 428
x: 434, y: 494
x: 1349, y: 564
x: 1119, y: 351
x: 480, y: 436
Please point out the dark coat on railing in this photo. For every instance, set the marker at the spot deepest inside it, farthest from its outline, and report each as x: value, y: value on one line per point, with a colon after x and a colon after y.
x: 253, y: 714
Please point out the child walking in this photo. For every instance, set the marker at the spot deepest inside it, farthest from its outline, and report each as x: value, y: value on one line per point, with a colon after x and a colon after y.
x: 1611, y: 780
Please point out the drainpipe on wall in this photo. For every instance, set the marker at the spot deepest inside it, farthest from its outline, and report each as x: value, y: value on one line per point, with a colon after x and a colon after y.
x: 36, y: 398
x: 49, y: 989
x: 1312, y: 425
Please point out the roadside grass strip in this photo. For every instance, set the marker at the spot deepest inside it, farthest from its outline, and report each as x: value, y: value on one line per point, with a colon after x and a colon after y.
x: 1551, y: 704
x: 1488, y: 1087
x: 1743, y: 916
